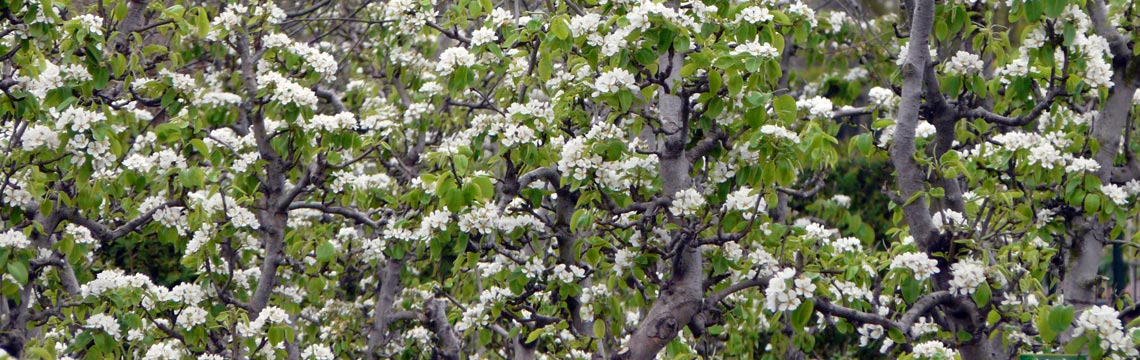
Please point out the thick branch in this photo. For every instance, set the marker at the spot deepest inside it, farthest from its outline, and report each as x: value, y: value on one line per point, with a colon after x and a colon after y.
x: 353, y: 214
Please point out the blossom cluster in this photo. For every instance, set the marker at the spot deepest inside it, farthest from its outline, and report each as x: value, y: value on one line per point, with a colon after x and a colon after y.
x: 968, y: 275
x: 919, y: 263
x: 1104, y: 322
x: 779, y: 296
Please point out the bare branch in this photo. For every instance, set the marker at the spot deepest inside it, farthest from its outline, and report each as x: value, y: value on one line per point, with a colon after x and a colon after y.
x: 359, y: 216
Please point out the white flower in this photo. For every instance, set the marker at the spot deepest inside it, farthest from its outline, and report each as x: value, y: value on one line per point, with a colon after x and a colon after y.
x: 868, y: 333
x: 1104, y: 322
x: 919, y: 263
x: 906, y: 48
x: 805, y: 287
x: 817, y: 106
x: 799, y: 8
x: 318, y: 352
x: 836, y: 19
x: 192, y: 316
x: 584, y: 24
x: 272, y: 315
x: 968, y: 275
x: 1116, y: 193
x: 103, y: 322
x: 49, y: 78
x: 286, y: 91
x: 568, y: 274
x: 933, y: 350
x: 79, y: 119
x: 218, y: 99
x: 925, y: 129
x: 923, y: 326
x: 686, y: 202
x: 452, y: 58
x: 14, y: 239
x: 777, y: 296
x: 93, y: 23
x: 1079, y: 164
x: 1035, y: 38
x: 847, y: 244
x: 1016, y: 68
x: 742, y: 200
x: 841, y: 200
x: 754, y: 15
x: 275, y: 40
x: 948, y: 217
x: 614, y: 80
x: 1098, y: 73
x: 483, y: 36
x: 732, y: 251
x: 780, y: 131
x: 964, y: 63
x: 623, y: 259
x: 321, y: 62
x: 754, y: 48
x: 883, y: 97
x: 36, y: 136
x: 168, y: 350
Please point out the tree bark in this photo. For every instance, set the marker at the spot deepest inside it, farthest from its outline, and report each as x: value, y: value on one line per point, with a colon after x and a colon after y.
x: 912, y: 179
x: 681, y: 297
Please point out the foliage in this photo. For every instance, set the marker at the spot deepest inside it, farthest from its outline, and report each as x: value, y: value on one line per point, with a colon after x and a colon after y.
x: 564, y: 179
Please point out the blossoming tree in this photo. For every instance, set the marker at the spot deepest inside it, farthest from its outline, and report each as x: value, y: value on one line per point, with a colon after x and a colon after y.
x: 586, y: 179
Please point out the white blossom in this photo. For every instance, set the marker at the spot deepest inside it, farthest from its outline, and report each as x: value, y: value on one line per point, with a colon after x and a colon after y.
x: 919, y: 263
x: 964, y: 63
x: 817, y: 106
x: 483, y: 36
x: 968, y: 275
x: 615, y: 80
x: 686, y: 202
x: 454, y: 57
x: 754, y: 15
x: 104, y: 322
x: 883, y: 97
x: 1115, y: 193
x: 933, y: 350
x: 754, y: 48
x: 780, y: 131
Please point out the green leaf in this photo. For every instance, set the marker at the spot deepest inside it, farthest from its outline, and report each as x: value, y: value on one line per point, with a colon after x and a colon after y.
x: 1054, y: 8
x: 276, y: 334
x: 896, y: 335
x: 625, y: 99
x: 192, y: 177
x: 964, y: 336
x: 325, y: 251
x: 681, y: 44
x: 1060, y: 317
x: 802, y: 314
x: 534, y: 335
x: 560, y: 28
x: 910, y: 289
x: 599, y: 329
x: 19, y: 270
x: 1033, y: 10
x: 203, y: 23
x: 735, y: 83
x: 1042, y: 321
x: 785, y: 106
x: 715, y: 81
x: 1092, y: 203
x: 580, y: 219
x: 1070, y: 34
x: 982, y: 294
